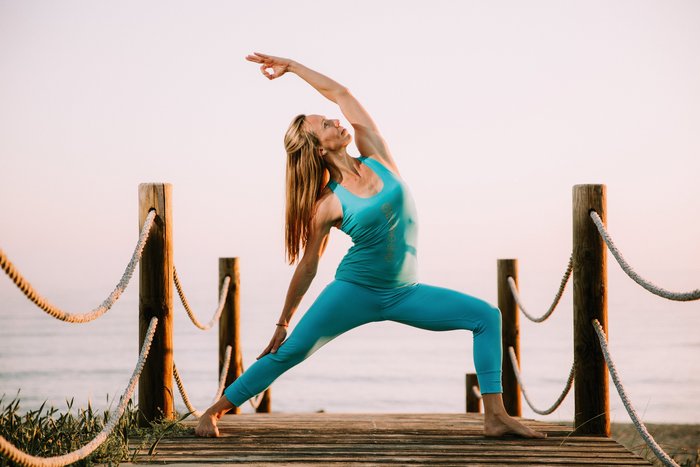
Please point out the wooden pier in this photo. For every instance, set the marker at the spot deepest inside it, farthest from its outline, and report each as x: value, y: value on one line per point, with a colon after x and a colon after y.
x: 371, y: 439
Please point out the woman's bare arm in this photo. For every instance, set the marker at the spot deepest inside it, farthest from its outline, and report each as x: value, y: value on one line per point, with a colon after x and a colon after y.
x: 367, y: 137
x: 326, y: 216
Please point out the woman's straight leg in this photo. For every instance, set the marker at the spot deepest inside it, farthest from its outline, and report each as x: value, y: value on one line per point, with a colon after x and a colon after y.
x: 440, y: 309
x: 340, y: 307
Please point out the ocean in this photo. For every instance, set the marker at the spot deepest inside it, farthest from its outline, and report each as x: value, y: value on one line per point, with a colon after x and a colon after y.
x: 381, y: 367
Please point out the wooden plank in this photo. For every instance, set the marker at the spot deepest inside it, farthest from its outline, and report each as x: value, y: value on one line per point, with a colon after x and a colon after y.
x: 371, y: 439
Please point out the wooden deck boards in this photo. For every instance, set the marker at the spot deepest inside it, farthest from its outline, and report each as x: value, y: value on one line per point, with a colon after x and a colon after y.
x: 373, y: 439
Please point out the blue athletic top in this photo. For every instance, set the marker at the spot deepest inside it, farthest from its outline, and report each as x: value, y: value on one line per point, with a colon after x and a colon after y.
x: 383, y: 230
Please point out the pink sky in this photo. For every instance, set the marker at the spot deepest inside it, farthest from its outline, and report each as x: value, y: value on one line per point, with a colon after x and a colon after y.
x: 494, y: 110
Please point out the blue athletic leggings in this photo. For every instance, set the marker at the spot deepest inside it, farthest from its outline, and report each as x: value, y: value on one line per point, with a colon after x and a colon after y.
x: 343, y: 306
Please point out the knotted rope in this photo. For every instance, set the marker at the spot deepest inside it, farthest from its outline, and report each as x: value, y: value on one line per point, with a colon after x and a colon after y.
x: 557, y: 403
x: 656, y: 290
x: 217, y: 314
x: 12, y: 453
x: 222, y: 381
x: 663, y: 457
x: 562, y: 286
x: 56, y: 312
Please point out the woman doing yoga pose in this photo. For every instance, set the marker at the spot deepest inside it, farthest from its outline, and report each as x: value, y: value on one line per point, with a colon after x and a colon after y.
x: 366, y: 198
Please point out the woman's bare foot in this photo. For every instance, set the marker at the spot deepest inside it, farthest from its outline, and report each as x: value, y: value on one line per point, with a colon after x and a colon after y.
x: 207, y: 422
x: 500, y: 424
x: 207, y: 426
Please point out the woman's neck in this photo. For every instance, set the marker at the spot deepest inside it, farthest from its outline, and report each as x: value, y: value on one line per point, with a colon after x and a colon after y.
x: 342, y: 165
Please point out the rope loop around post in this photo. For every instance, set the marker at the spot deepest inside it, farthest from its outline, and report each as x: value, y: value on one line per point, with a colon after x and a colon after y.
x: 555, y: 302
x: 223, y: 293
x: 643, y: 432
x: 59, y: 314
x: 9, y: 450
x: 559, y: 400
x: 655, y: 289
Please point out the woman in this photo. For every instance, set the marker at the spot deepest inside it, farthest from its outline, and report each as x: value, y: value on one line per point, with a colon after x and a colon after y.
x: 365, y: 198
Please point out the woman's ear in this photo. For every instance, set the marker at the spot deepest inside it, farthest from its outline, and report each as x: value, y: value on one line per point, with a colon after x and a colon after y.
x: 321, y: 152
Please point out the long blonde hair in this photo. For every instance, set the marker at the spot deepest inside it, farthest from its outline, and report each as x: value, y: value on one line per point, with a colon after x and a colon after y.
x: 306, y: 175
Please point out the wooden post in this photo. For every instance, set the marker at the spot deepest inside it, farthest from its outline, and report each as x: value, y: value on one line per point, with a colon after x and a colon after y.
x: 592, y: 414
x: 266, y: 403
x: 511, y: 334
x: 156, y: 299
x: 229, y: 322
x: 473, y: 402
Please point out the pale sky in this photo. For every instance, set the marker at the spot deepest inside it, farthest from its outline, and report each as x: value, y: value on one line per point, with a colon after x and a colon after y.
x: 493, y: 111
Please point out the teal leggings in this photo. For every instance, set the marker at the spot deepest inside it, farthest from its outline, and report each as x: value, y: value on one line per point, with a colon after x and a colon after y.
x: 343, y: 306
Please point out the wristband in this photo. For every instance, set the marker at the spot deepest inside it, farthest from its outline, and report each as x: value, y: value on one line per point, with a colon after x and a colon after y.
x: 280, y: 324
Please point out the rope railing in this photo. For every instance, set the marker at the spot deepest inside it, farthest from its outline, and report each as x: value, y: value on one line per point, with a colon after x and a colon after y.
x: 518, y: 377
x: 257, y: 400
x: 656, y: 290
x: 477, y: 393
x: 222, y: 382
x: 217, y: 314
x: 641, y: 428
x: 557, y: 298
x: 14, y: 454
x: 56, y: 312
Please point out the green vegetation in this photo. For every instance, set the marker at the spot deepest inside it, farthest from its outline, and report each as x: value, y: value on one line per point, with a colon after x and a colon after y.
x: 46, y: 432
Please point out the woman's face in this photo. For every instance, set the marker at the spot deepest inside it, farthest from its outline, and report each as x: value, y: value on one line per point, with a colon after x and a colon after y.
x: 330, y: 134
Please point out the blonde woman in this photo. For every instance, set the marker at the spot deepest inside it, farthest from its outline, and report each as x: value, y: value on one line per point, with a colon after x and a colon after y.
x: 366, y: 198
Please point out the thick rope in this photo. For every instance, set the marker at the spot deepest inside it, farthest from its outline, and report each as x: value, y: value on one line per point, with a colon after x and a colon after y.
x: 562, y: 286
x: 663, y: 457
x: 56, y: 312
x: 14, y: 454
x: 254, y: 401
x: 224, y: 372
x: 557, y: 403
x: 656, y: 290
x: 222, y: 381
x: 477, y: 393
x: 217, y: 314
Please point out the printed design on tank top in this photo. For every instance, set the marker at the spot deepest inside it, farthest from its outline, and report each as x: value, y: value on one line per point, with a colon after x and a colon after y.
x: 388, y: 211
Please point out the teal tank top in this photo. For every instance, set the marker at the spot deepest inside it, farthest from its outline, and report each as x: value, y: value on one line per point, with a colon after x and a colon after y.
x: 383, y: 230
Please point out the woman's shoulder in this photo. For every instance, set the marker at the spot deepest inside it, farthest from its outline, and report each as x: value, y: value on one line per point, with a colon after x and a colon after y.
x: 385, y: 163
x: 328, y: 207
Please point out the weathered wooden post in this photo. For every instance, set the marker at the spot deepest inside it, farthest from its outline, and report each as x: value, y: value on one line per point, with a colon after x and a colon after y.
x: 473, y: 402
x: 592, y: 414
x: 511, y: 334
x: 266, y: 402
x: 156, y: 299
x: 229, y: 322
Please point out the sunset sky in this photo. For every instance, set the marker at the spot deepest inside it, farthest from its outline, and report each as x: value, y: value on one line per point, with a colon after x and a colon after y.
x: 493, y: 111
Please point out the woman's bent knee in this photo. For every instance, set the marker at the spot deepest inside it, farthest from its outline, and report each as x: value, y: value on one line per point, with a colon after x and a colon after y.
x: 490, y: 319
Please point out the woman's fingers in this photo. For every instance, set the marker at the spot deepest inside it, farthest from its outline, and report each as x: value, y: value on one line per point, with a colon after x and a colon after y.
x: 263, y: 70
x: 265, y: 352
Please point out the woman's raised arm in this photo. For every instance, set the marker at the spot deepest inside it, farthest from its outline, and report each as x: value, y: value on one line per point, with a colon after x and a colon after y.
x: 367, y: 137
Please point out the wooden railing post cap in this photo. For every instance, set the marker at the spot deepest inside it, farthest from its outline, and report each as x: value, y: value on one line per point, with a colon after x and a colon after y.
x: 144, y: 184
x: 589, y: 186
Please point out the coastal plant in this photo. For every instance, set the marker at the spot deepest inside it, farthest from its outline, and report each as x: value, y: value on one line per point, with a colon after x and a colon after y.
x: 46, y: 432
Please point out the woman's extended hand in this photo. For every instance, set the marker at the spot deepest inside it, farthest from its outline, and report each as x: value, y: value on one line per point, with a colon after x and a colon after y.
x: 275, y: 342
x: 278, y: 65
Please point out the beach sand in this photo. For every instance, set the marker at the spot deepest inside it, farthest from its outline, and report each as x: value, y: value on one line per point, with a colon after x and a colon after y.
x: 682, y: 442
